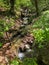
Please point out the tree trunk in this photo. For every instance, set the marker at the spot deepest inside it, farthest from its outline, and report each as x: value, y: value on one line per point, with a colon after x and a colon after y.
x: 36, y: 6
x: 12, y: 2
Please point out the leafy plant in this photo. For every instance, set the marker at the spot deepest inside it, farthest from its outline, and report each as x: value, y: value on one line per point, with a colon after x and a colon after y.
x: 41, y: 29
x: 14, y: 62
x: 1, y: 44
x: 29, y: 61
x: 43, y: 21
x: 4, y: 26
x: 38, y: 35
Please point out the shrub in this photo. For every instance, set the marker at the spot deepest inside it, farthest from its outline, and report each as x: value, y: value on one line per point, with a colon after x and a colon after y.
x: 14, y: 62
x: 41, y: 29
x: 29, y: 61
x: 4, y: 26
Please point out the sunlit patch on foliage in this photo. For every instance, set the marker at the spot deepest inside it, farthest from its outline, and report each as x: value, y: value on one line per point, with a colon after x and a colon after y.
x: 39, y: 34
x: 39, y: 37
x: 14, y: 62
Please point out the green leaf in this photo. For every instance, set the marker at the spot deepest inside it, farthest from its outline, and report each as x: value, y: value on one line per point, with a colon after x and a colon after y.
x: 14, y: 62
x: 1, y: 44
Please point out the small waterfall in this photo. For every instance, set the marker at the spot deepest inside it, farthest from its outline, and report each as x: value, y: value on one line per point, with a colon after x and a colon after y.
x: 25, y: 20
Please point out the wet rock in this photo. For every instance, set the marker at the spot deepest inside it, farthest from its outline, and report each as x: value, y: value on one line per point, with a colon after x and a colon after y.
x: 28, y: 39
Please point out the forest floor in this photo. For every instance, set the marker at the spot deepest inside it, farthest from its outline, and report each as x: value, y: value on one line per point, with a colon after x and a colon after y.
x: 18, y: 34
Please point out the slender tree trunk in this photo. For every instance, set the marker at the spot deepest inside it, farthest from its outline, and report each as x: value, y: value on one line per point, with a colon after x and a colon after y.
x: 36, y: 5
x: 12, y: 2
